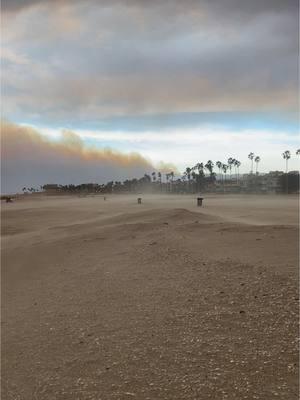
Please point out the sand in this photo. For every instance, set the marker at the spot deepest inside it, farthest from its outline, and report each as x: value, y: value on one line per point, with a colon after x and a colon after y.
x: 163, y: 300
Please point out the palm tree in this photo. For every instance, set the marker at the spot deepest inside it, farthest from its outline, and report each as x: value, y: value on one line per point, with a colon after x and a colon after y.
x: 167, y: 179
x: 219, y: 165
x: 188, y: 174
x: 230, y: 163
x: 235, y: 164
x: 171, y: 175
x: 298, y: 152
x: 200, y: 168
x: 286, y: 156
x: 224, y: 168
x: 238, y: 164
x: 251, y: 157
x: 159, y: 179
x: 210, y: 167
x: 153, y: 176
x: 257, y: 160
x: 194, y: 176
x: 200, y: 176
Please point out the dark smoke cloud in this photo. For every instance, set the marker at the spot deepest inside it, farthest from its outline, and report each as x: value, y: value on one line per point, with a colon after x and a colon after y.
x: 30, y: 159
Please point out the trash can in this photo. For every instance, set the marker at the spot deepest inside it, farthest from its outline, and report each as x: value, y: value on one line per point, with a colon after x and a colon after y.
x: 199, y: 201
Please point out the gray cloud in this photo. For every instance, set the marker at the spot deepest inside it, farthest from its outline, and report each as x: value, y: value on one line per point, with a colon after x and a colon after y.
x: 86, y: 59
x: 17, y: 5
x: 249, y: 7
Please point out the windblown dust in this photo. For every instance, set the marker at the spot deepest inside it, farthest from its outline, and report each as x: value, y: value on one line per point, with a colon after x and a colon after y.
x: 163, y: 300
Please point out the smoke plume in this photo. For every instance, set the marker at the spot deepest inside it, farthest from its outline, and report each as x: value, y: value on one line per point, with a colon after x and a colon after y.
x: 30, y: 159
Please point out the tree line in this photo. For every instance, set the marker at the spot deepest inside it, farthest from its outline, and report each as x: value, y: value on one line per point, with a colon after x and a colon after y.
x: 200, y: 177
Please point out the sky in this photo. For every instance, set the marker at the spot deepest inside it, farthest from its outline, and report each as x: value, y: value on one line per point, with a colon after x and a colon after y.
x: 160, y: 84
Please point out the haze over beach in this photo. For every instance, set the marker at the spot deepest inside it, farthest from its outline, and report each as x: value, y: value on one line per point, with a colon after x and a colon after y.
x: 150, y: 200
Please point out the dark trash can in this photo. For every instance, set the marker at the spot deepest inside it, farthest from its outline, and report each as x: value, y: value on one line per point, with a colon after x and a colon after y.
x: 199, y: 201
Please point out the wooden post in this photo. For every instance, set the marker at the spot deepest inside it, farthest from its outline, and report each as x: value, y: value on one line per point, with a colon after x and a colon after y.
x: 199, y: 201
x: 104, y: 198
x: 139, y: 200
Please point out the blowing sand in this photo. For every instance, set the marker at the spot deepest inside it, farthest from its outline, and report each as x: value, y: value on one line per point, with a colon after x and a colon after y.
x: 163, y: 300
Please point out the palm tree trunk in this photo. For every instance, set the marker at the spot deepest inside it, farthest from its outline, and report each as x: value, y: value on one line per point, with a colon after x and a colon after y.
x: 223, y: 182
x: 287, y: 176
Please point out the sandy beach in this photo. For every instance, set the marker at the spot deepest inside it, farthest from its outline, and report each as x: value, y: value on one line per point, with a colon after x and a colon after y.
x: 163, y: 300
